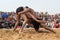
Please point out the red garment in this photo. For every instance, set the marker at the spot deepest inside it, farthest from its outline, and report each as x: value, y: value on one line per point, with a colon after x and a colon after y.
x: 8, y: 19
x: 56, y: 25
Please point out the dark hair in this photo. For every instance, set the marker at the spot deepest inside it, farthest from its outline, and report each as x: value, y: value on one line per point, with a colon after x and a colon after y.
x: 19, y: 9
x: 26, y: 6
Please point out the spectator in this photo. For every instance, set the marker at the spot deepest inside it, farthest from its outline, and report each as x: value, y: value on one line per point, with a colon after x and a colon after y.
x: 4, y: 15
x: 0, y: 15
x: 56, y: 24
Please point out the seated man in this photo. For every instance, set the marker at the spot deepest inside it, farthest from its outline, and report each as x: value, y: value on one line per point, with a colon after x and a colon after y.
x: 24, y: 12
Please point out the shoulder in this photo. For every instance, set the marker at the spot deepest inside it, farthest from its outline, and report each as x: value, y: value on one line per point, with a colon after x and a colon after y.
x: 31, y: 9
x: 28, y: 9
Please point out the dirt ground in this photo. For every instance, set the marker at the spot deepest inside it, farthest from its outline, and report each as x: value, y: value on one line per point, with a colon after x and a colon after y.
x: 29, y: 34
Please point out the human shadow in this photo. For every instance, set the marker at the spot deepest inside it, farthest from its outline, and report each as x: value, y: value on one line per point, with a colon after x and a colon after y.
x: 44, y: 31
x: 41, y: 31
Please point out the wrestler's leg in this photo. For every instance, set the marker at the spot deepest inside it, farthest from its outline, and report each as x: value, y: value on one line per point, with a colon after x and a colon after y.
x: 47, y: 28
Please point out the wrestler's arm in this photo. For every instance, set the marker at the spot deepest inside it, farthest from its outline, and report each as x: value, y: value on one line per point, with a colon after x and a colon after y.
x: 33, y: 17
x: 17, y: 22
x: 28, y: 10
x: 24, y: 11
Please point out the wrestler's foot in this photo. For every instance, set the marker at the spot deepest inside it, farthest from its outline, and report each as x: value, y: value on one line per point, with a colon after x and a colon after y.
x: 20, y: 32
x: 53, y: 31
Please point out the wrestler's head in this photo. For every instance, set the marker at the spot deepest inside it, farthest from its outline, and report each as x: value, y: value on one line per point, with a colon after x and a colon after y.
x: 26, y: 7
x: 19, y: 9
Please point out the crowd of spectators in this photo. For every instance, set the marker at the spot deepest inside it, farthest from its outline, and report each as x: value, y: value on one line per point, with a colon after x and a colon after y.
x: 8, y: 19
x: 53, y: 21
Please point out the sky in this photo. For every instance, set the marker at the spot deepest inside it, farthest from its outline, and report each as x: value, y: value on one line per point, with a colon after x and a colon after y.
x: 50, y: 6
